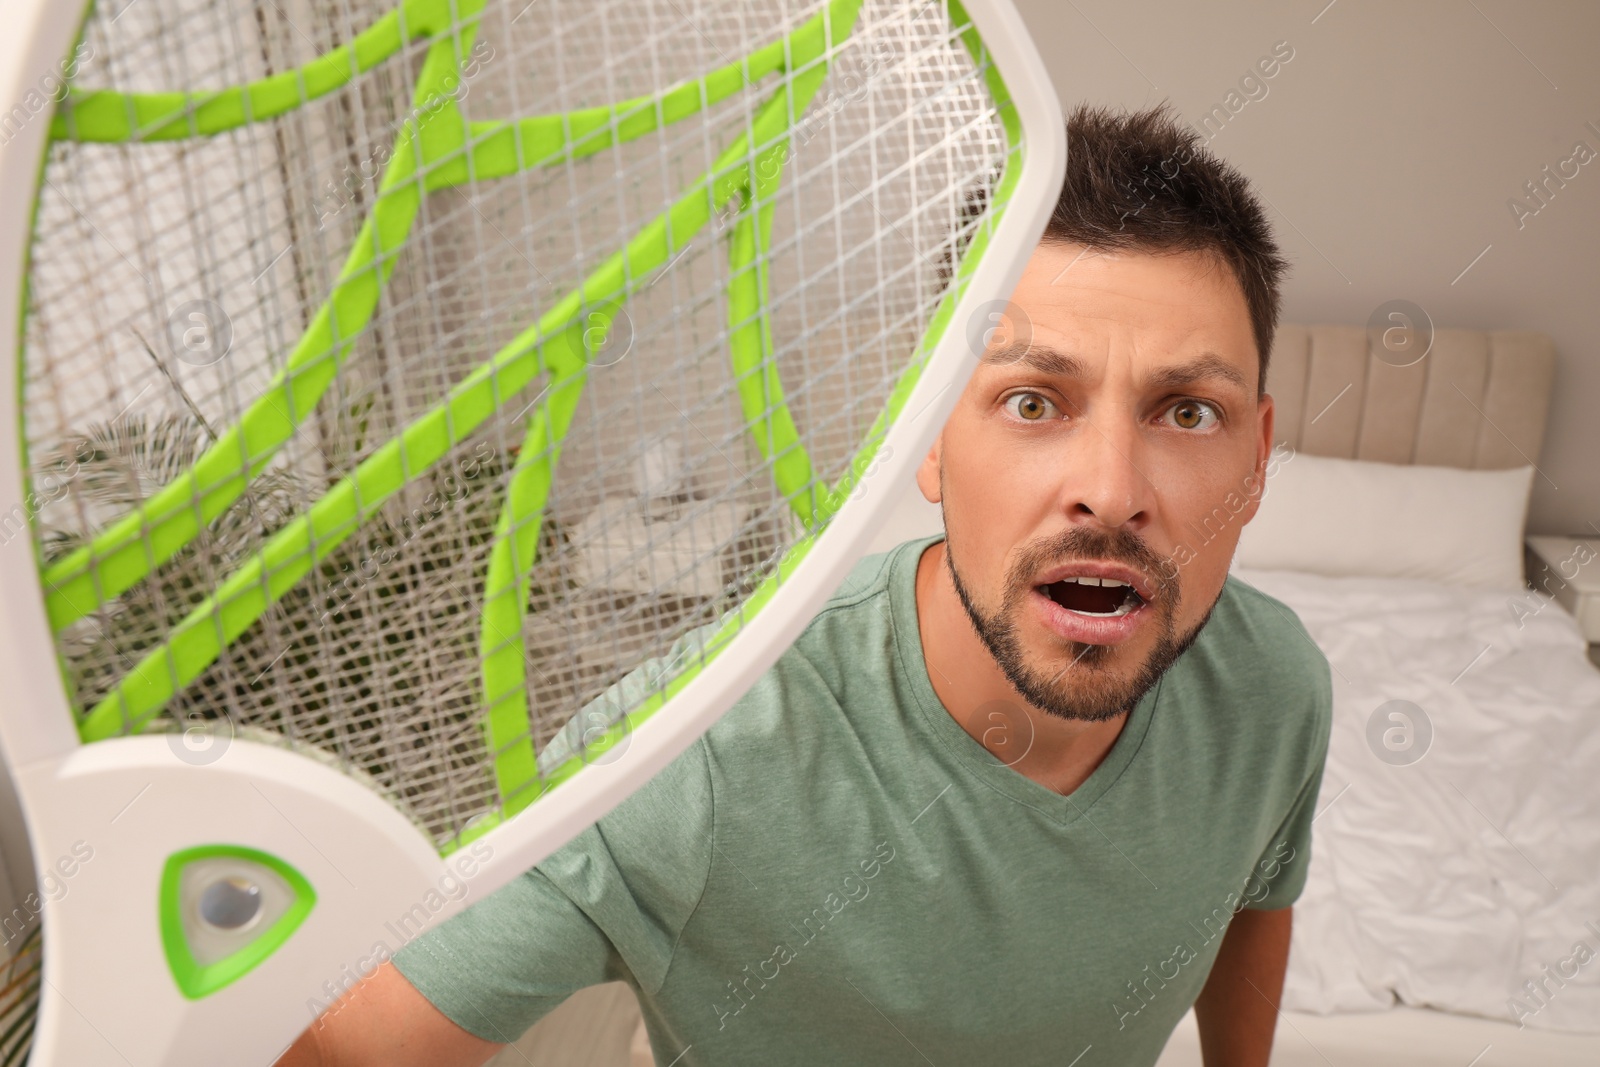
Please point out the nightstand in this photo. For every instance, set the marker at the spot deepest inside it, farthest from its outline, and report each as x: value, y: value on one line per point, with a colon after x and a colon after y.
x: 1568, y: 568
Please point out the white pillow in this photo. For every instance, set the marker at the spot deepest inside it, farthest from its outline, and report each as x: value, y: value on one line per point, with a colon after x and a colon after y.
x: 1355, y: 517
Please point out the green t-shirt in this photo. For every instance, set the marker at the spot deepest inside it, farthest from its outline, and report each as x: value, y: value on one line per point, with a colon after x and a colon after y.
x: 837, y: 873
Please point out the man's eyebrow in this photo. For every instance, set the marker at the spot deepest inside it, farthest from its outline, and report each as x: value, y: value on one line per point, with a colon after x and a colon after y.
x: 1207, y: 366
x: 1045, y: 360
x: 1060, y: 364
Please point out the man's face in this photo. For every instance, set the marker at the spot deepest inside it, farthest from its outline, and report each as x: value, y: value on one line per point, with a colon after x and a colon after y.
x: 1096, y: 472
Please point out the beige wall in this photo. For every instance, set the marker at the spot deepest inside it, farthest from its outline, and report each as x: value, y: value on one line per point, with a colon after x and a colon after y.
x: 1387, y: 149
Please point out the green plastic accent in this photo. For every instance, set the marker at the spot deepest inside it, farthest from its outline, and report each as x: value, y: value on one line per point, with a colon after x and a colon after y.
x: 516, y: 538
x: 24, y: 302
x: 750, y: 339
x: 438, y: 148
x: 108, y: 116
x: 501, y: 148
x: 127, y: 551
x: 130, y: 548
x: 194, y: 979
x: 714, y: 646
x: 291, y: 553
x: 197, y: 641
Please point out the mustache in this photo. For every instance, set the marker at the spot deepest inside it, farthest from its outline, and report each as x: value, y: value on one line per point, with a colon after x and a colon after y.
x: 1120, y: 546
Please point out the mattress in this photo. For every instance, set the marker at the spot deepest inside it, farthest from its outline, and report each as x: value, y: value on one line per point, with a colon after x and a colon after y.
x: 1461, y: 873
x: 1401, y: 1037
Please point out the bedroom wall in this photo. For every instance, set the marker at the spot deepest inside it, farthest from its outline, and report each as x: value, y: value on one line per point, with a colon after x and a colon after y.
x: 1387, y: 148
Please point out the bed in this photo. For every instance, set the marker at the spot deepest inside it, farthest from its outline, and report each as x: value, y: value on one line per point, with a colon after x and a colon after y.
x: 1440, y: 884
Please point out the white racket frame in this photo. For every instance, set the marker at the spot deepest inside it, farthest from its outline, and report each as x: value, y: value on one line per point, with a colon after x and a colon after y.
x: 108, y: 994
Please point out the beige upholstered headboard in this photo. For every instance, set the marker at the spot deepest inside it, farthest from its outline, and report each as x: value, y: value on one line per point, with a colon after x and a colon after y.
x: 1478, y: 399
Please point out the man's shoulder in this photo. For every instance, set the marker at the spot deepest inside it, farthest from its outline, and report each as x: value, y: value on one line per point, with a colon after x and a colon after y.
x: 844, y: 659
x: 869, y: 578
x: 1251, y: 623
x: 856, y: 625
x: 1256, y: 655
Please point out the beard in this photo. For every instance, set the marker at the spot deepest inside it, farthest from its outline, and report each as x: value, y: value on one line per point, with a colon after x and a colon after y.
x: 1096, y: 692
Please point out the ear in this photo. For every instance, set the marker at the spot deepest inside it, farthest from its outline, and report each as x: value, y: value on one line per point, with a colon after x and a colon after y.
x: 1258, y: 478
x: 928, y: 472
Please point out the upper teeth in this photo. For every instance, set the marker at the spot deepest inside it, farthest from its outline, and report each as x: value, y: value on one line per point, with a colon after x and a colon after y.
x: 1085, y: 580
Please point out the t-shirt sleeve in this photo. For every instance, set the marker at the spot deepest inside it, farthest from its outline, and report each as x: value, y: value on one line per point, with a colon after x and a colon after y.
x: 1279, y: 876
x: 609, y: 905
x: 509, y: 960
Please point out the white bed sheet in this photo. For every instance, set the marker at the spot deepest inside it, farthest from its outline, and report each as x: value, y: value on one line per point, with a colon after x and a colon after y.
x: 1401, y: 1037
x: 1450, y: 882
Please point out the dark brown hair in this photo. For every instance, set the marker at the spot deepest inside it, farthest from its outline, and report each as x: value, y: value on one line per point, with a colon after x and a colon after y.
x: 1144, y: 181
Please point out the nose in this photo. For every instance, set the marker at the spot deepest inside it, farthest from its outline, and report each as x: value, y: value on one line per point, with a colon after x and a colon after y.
x: 1106, y: 481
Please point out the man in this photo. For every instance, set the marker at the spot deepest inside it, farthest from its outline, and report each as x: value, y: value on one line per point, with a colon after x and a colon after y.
x: 1018, y: 795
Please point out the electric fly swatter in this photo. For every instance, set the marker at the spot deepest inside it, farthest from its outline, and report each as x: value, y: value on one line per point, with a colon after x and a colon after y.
x: 426, y: 420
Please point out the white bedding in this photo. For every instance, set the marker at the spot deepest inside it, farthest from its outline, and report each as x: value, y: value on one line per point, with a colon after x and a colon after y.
x: 1451, y: 881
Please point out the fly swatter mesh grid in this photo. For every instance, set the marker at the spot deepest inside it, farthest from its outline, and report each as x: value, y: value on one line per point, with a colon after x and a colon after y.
x: 178, y: 280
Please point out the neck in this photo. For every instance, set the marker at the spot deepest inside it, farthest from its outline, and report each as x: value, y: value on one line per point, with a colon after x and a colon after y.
x: 1059, y: 754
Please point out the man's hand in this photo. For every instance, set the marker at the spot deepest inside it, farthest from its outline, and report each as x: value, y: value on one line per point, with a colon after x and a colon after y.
x: 1238, y: 1008
x: 385, y: 1021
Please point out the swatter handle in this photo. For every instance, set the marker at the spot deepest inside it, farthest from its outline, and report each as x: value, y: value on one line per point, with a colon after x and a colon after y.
x: 107, y: 822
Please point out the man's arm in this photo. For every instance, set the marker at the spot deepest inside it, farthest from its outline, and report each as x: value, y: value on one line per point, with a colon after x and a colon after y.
x: 1238, y: 1008
x: 385, y: 1022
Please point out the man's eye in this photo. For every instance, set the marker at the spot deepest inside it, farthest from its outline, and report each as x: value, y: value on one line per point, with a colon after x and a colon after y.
x: 1031, y: 407
x: 1192, y: 415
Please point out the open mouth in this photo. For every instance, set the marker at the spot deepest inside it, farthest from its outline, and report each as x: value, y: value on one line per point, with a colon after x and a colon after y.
x: 1102, y: 598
